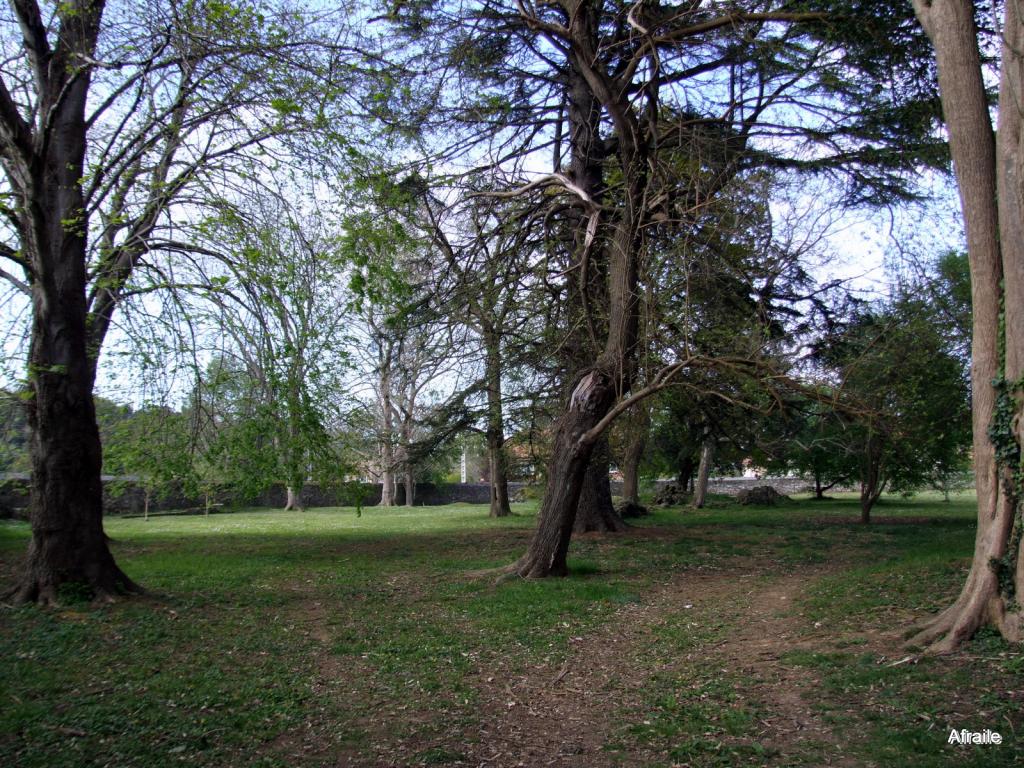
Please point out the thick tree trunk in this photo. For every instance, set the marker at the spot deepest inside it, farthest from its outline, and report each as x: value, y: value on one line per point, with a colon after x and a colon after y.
x: 387, y: 486
x: 987, y: 172
x: 68, y: 545
x: 707, y: 457
x: 546, y: 556
x: 496, y: 430
x: 612, y: 373
x: 595, y: 511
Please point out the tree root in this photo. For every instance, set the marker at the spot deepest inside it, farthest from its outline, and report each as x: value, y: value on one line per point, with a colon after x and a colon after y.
x: 106, y: 589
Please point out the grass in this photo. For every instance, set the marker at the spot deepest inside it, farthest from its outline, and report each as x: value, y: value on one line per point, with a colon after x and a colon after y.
x: 283, y: 639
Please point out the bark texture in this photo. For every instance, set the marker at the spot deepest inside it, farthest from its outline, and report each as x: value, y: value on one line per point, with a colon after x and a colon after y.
x: 68, y: 545
x: 989, y: 177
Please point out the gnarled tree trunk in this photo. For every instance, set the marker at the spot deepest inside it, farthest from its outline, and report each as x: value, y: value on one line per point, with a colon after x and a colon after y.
x: 590, y: 401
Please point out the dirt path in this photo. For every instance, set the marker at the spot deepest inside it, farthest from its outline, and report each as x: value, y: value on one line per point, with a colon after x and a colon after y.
x: 739, y: 621
x: 567, y: 716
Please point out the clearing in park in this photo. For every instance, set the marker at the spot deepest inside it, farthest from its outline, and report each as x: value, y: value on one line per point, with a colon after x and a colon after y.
x: 727, y: 636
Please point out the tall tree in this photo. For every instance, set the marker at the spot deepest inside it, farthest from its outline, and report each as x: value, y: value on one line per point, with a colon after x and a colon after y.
x: 988, y: 167
x: 731, y: 84
x: 113, y: 116
x: 281, y: 303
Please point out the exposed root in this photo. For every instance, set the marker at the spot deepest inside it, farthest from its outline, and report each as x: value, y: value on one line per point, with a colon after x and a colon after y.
x: 105, y: 589
x: 926, y: 631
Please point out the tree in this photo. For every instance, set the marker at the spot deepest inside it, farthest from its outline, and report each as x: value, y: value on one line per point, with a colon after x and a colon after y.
x: 632, y: 60
x: 112, y: 118
x: 282, y: 305
x: 153, y: 448
x: 906, y: 415
x: 988, y: 169
x: 489, y: 249
x: 813, y: 441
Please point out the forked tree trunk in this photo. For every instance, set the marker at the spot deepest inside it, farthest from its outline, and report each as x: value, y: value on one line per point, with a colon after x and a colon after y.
x: 872, y: 482
x: 595, y: 511
x: 612, y: 373
x: 707, y: 458
x: 987, y: 171
x: 685, y: 474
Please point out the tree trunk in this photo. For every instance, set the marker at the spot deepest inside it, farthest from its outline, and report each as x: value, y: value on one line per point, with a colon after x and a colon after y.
x: 595, y: 510
x: 68, y: 545
x: 872, y: 483
x: 293, y: 500
x: 145, y: 505
x: 387, y: 431
x: 636, y: 442
x: 707, y: 457
x: 989, y: 176
x: 611, y: 375
x: 496, y: 429
x: 819, y: 490
x: 410, y: 486
x: 546, y: 556
x: 685, y: 475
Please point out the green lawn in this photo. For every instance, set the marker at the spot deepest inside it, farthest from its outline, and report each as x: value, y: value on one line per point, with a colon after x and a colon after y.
x: 323, y: 638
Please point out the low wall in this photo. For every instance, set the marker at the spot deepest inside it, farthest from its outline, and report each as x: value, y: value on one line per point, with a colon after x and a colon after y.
x: 124, y: 497
x: 733, y: 485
